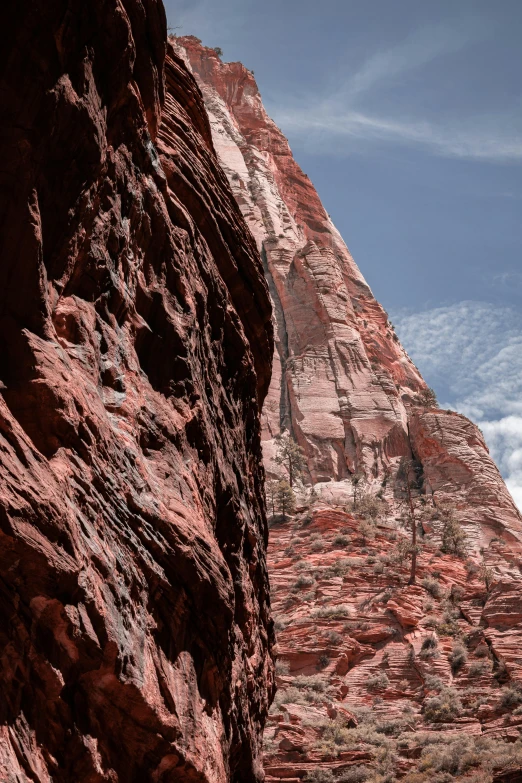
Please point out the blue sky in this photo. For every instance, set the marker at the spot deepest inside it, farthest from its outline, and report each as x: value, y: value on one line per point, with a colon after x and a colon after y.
x: 407, y: 116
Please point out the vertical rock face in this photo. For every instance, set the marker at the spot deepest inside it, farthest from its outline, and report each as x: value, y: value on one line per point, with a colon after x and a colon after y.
x: 379, y: 679
x: 341, y: 378
x: 342, y: 383
x: 135, y: 352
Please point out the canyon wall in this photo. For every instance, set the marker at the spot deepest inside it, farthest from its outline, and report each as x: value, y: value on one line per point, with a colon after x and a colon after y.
x: 379, y: 679
x: 135, y: 353
x: 343, y: 385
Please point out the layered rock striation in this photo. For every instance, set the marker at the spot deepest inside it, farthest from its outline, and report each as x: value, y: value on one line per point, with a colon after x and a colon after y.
x: 135, y: 353
x: 380, y: 679
x: 342, y: 385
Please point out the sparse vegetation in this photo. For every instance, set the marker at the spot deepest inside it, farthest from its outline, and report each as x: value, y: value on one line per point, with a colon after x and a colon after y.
x: 511, y: 696
x: 285, y: 499
x: 357, y: 483
x: 486, y: 575
x: 426, y: 399
x: 370, y: 506
x: 366, y: 531
x: 332, y: 612
x: 442, y: 708
x: 291, y: 456
x: 432, y: 586
x: 378, y: 682
x: 282, y: 666
x: 323, y: 661
x: 479, y: 668
x: 408, y: 482
x: 457, y: 657
x: 429, y: 646
x: 452, y: 532
x: 304, y: 581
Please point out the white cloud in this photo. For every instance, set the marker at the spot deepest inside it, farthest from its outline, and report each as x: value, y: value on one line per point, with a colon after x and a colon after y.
x: 471, y: 352
x: 476, y: 139
x: 344, y: 118
x: 420, y: 48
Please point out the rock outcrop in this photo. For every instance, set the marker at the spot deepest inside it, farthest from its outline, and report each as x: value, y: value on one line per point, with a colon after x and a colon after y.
x: 342, y: 385
x: 136, y: 344
x: 379, y: 679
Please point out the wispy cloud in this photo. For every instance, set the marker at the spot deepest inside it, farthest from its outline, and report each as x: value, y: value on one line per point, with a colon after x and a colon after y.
x: 472, y: 353
x: 448, y: 140
x: 420, y: 48
x: 347, y: 115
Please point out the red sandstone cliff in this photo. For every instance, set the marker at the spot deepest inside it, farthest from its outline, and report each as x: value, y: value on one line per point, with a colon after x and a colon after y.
x: 135, y: 352
x: 342, y: 383
x: 378, y: 680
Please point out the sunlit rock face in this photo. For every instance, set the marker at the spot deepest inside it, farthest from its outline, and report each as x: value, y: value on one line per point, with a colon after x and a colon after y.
x: 369, y: 665
x: 136, y: 345
x: 342, y: 384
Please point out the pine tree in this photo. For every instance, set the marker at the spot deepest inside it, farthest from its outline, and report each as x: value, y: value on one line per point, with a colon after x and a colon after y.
x: 271, y: 494
x: 291, y: 455
x: 357, y: 483
x: 285, y: 498
x: 427, y: 399
x: 408, y: 478
x: 453, y: 535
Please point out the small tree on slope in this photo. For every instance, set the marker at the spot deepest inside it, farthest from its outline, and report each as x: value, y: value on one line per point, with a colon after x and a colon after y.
x: 285, y: 498
x: 291, y: 455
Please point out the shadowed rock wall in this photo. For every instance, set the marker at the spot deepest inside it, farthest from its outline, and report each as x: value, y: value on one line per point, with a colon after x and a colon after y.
x: 135, y: 352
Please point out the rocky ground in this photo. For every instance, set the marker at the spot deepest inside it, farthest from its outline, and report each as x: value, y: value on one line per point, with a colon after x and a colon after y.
x: 379, y: 680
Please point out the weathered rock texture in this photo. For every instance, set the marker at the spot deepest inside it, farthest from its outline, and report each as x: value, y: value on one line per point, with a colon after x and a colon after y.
x: 136, y: 342
x: 380, y: 680
x: 351, y: 630
x: 343, y: 385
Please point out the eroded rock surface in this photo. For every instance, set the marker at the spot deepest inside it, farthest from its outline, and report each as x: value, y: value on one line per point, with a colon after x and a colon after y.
x: 342, y: 386
x: 379, y: 680
x: 136, y: 342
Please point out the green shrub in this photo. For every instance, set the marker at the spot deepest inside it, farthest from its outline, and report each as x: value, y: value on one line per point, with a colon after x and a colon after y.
x: 341, y: 540
x: 339, y: 611
x: 378, y: 682
x: 282, y: 667
x: 357, y: 774
x: 430, y: 642
x: 434, y: 683
x: 457, y: 657
x: 334, y: 637
x: 511, y: 696
x: 432, y: 586
x: 319, y: 776
x: 312, y: 682
x: 478, y: 668
x: 339, y: 568
x: 442, y: 708
x: 304, y: 581
x: 323, y: 661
